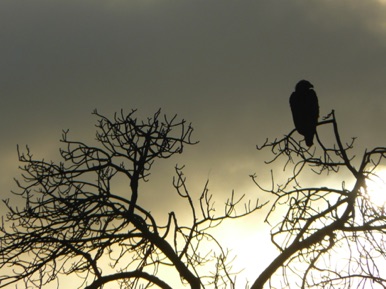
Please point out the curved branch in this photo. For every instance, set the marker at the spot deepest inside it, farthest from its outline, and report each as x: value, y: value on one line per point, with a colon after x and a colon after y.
x: 128, y: 275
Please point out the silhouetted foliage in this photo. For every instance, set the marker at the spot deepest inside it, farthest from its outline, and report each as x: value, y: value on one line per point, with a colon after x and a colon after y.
x: 73, y: 223
x: 328, y: 237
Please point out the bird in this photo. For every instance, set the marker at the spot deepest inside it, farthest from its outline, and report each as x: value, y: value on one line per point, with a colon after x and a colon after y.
x: 305, y: 110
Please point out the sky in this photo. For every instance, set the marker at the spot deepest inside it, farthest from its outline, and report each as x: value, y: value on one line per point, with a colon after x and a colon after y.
x: 226, y: 66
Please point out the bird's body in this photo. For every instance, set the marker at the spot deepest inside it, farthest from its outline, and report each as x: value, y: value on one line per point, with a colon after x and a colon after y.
x: 305, y: 110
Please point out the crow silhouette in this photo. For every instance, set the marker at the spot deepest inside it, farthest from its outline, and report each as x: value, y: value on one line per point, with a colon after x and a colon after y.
x: 305, y: 110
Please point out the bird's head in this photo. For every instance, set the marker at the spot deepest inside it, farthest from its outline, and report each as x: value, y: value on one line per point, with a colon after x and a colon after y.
x: 303, y: 85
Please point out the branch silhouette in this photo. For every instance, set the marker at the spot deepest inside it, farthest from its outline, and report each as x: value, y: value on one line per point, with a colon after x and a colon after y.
x: 320, y: 221
x: 73, y: 222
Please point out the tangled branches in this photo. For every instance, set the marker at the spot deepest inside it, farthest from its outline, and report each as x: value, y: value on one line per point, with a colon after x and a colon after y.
x: 73, y: 222
x: 323, y: 222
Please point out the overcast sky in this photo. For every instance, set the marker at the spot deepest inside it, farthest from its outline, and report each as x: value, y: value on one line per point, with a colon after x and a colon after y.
x: 226, y: 66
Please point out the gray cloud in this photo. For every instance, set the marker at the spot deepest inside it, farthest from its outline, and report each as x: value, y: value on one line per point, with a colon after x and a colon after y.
x: 227, y: 66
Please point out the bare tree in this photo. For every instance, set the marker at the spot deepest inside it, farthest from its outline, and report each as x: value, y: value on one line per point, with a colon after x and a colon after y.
x: 328, y: 237
x: 74, y: 223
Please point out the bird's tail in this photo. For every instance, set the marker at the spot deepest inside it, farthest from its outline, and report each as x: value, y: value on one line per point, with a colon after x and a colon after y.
x: 309, y: 140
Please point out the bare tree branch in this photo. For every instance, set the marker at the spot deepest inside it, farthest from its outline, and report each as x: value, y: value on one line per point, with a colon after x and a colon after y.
x: 320, y: 221
x: 73, y: 223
